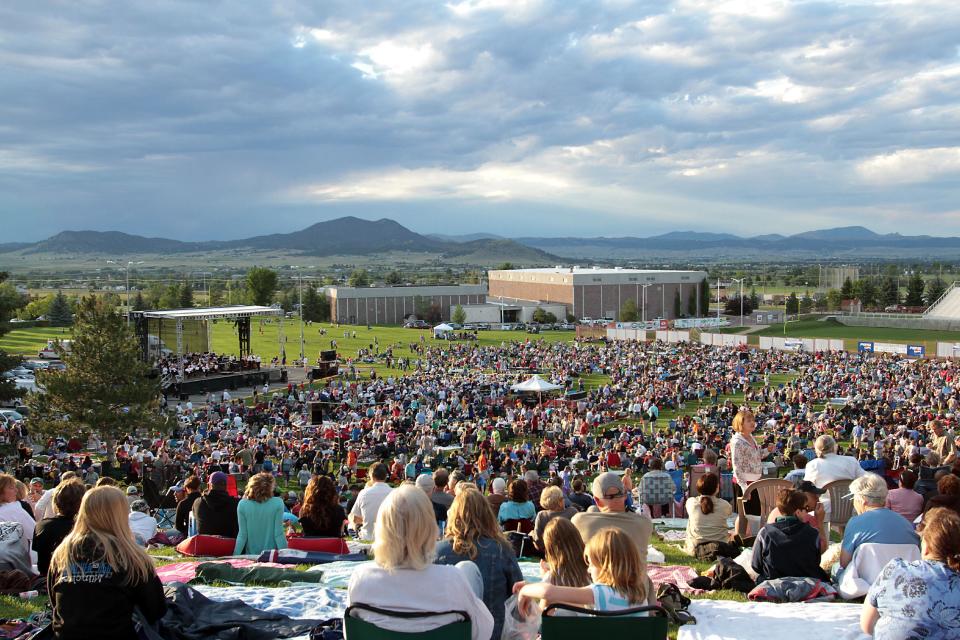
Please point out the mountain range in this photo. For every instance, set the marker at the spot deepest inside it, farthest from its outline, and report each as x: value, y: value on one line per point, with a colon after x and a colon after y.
x: 351, y: 236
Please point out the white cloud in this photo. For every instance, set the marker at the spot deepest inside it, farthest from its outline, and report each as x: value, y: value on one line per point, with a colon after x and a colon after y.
x: 906, y: 166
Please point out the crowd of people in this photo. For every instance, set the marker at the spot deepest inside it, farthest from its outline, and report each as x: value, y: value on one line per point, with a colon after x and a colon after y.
x: 460, y: 475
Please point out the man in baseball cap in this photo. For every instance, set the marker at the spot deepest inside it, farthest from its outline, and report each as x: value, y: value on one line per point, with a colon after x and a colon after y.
x: 611, y: 498
x: 215, y: 512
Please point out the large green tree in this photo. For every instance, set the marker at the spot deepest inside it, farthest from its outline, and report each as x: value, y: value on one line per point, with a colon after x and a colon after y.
x: 60, y: 314
x: 889, y: 292
x: 105, y: 388
x: 459, y: 316
x: 915, y: 290
x: 316, y: 308
x: 185, y: 295
x: 359, y: 277
x: 704, y: 298
x: 628, y: 311
x: 261, y: 282
x: 935, y: 289
x: 792, y: 303
x: 9, y: 299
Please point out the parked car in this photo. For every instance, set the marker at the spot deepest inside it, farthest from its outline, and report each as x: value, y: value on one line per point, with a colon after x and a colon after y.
x: 35, y: 365
x: 533, y: 328
x: 20, y: 372
x: 483, y: 327
x: 416, y: 324
x: 48, y: 352
x: 8, y: 416
x: 567, y: 326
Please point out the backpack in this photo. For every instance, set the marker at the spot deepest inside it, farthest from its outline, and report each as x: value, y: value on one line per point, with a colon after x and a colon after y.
x: 676, y: 604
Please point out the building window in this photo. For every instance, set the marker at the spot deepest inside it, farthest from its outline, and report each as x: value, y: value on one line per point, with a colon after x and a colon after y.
x: 632, y: 279
x: 684, y: 277
x: 598, y: 279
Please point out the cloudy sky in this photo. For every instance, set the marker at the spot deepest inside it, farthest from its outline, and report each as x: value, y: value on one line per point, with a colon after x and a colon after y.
x: 220, y: 120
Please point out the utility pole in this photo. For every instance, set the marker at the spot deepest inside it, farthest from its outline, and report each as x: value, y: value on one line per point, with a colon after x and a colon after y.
x: 129, y: 264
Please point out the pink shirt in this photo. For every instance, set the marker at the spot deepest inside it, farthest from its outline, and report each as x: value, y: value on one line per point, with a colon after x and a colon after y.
x: 906, y: 502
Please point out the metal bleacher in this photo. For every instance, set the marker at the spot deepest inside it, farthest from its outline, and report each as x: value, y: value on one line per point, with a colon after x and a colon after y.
x: 947, y: 307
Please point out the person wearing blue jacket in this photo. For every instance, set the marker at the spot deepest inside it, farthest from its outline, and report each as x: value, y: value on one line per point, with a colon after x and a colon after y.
x: 260, y: 517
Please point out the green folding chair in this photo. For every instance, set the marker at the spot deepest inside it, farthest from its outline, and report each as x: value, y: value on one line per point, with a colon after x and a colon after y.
x: 358, y: 629
x: 606, y: 624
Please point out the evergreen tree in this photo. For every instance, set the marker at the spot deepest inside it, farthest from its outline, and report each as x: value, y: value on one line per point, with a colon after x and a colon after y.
x: 261, y: 282
x: 935, y: 289
x: 889, y: 295
x: 171, y: 297
x: 793, y: 304
x: 732, y: 307
x: 846, y: 291
x: 216, y: 294
x: 460, y: 316
x: 692, y: 303
x: 316, y: 308
x: 866, y: 292
x: 754, y: 298
x: 806, y: 302
x: 59, y: 313
x: 154, y: 296
x: 704, y: 298
x: 677, y: 305
x: 105, y: 388
x: 915, y: 290
x: 628, y: 311
x: 139, y: 304
x: 186, y: 295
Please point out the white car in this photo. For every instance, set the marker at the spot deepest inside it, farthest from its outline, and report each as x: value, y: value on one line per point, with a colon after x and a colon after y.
x: 8, y: 416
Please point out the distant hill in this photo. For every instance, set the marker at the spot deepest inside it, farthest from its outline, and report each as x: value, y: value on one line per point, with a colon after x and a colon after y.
x: 348, y: 236
x: 107, y: 242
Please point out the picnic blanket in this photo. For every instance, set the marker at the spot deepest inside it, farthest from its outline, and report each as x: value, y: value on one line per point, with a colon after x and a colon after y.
x: 187, y: 571
x: 223, y: 572
x: 674, y: 535
x: 295, y: 556
x: 723, y: 619
x: 677, y: 574
x: 299, y: 601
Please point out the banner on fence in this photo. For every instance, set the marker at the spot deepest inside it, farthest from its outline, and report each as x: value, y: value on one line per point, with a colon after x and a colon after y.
x: 863, y: 346
x: 916, y: 351
x: 649, y: 325
x: 890, y: 347
x: 700, y: 323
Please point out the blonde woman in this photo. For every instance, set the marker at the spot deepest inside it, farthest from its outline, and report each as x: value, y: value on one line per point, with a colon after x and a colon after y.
x: 563, y: 553
x: 260, y: 518
x: 746, y: 459
x: 472, y: 534
x: 98, y: 574
x: 403, y: 576
x: 11, y: 510
x: 618, y: 578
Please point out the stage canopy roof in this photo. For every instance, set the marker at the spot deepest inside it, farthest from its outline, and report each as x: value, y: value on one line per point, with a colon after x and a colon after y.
x: 213, y: 313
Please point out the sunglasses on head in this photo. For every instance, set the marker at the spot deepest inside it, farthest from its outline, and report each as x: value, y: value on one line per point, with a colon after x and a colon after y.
x: 613, y: 496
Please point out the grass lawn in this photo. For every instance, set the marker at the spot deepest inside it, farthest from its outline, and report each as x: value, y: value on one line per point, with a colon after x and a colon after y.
x: 850, y: 335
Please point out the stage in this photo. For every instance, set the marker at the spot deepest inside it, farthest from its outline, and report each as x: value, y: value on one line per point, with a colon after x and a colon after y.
x: 231, y: 381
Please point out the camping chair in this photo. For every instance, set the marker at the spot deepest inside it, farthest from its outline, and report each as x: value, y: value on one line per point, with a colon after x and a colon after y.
x: 357, y: 629
x: 609, y: 624
x: 841, y: 508
x: 155, y: 499
x: 658, y: 490
x: 768, y: 488
x: 518, y: 533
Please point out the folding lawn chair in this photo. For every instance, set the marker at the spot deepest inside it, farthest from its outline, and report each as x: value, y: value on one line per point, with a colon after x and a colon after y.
x: 165, y: 518
x: 608, y: 624
x: 358, y: 629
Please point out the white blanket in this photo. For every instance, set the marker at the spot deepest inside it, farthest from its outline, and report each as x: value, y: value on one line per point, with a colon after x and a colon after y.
x: 727, y: 620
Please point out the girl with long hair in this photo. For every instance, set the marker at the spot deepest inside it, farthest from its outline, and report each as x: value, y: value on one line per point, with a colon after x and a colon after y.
x: 98, y: 574
x: 563, y: 563
x: 473, y: 534
x: 618, y: 577
x: 321, y: 513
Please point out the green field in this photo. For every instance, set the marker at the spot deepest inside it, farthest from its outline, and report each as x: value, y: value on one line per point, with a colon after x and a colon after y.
x: 265, y: 340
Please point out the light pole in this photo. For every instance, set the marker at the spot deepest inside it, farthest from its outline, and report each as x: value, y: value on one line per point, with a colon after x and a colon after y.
x: 203, y: 275
x: 300, y: 287
x: 643, y: 303
x: 740, y: 280
x: 130, y: 263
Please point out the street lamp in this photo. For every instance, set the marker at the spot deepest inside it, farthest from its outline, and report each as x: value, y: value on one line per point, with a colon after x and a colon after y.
x: 644, y: 302
x: 740, y: 280
x: 206, y: 292
x: 130, y: 263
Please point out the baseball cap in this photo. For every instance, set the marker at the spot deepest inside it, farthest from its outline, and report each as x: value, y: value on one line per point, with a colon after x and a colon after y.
x: 218, y: 477
x: 808, y: 487
x: 36, y: 481
x: 608, y: 486
x: 132, y: 490
x: 139, y: 505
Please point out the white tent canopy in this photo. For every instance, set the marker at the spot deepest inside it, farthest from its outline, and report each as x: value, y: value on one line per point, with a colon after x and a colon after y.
x: 535, y: 384
x: 441, y: 329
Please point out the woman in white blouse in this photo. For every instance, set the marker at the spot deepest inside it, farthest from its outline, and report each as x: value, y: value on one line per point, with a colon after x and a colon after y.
x: 746, y: 458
